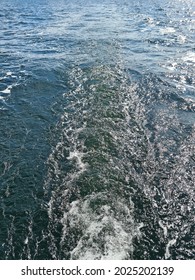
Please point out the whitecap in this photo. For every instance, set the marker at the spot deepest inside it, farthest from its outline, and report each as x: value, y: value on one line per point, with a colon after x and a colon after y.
x: 9, y: 73
x: 7, y: 90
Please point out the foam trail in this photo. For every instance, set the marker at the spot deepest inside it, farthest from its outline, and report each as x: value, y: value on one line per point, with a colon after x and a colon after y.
x: 89, y: 200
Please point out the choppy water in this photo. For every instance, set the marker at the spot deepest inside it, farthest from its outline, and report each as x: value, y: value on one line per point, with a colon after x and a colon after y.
x: 97, y: 129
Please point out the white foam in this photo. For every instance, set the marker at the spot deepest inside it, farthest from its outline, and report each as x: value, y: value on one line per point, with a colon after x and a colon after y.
x: 164, y: 228
x: 7, y: 90
x: 26, y: 240
x: 78, y: 156
x: 107, y: 232
x: 169, y: 244
x: 9, y: 73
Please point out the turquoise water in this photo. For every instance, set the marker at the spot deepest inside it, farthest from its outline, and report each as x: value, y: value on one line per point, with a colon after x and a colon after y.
x: 97, y: 130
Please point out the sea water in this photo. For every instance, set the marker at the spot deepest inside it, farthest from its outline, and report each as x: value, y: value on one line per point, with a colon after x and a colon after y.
x: 97, y: 129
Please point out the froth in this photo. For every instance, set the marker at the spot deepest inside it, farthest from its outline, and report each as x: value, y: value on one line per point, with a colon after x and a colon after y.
x: 107, y: 228
x: 78, y: 156
x: 7, y: 90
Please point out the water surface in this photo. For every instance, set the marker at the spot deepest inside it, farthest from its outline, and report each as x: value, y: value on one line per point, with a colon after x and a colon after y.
x: 97, y: 130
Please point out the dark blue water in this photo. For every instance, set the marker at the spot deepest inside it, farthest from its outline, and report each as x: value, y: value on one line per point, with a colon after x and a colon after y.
x: 97, y: 129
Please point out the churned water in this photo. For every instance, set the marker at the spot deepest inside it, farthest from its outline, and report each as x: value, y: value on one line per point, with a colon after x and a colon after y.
x: 97, y: 129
